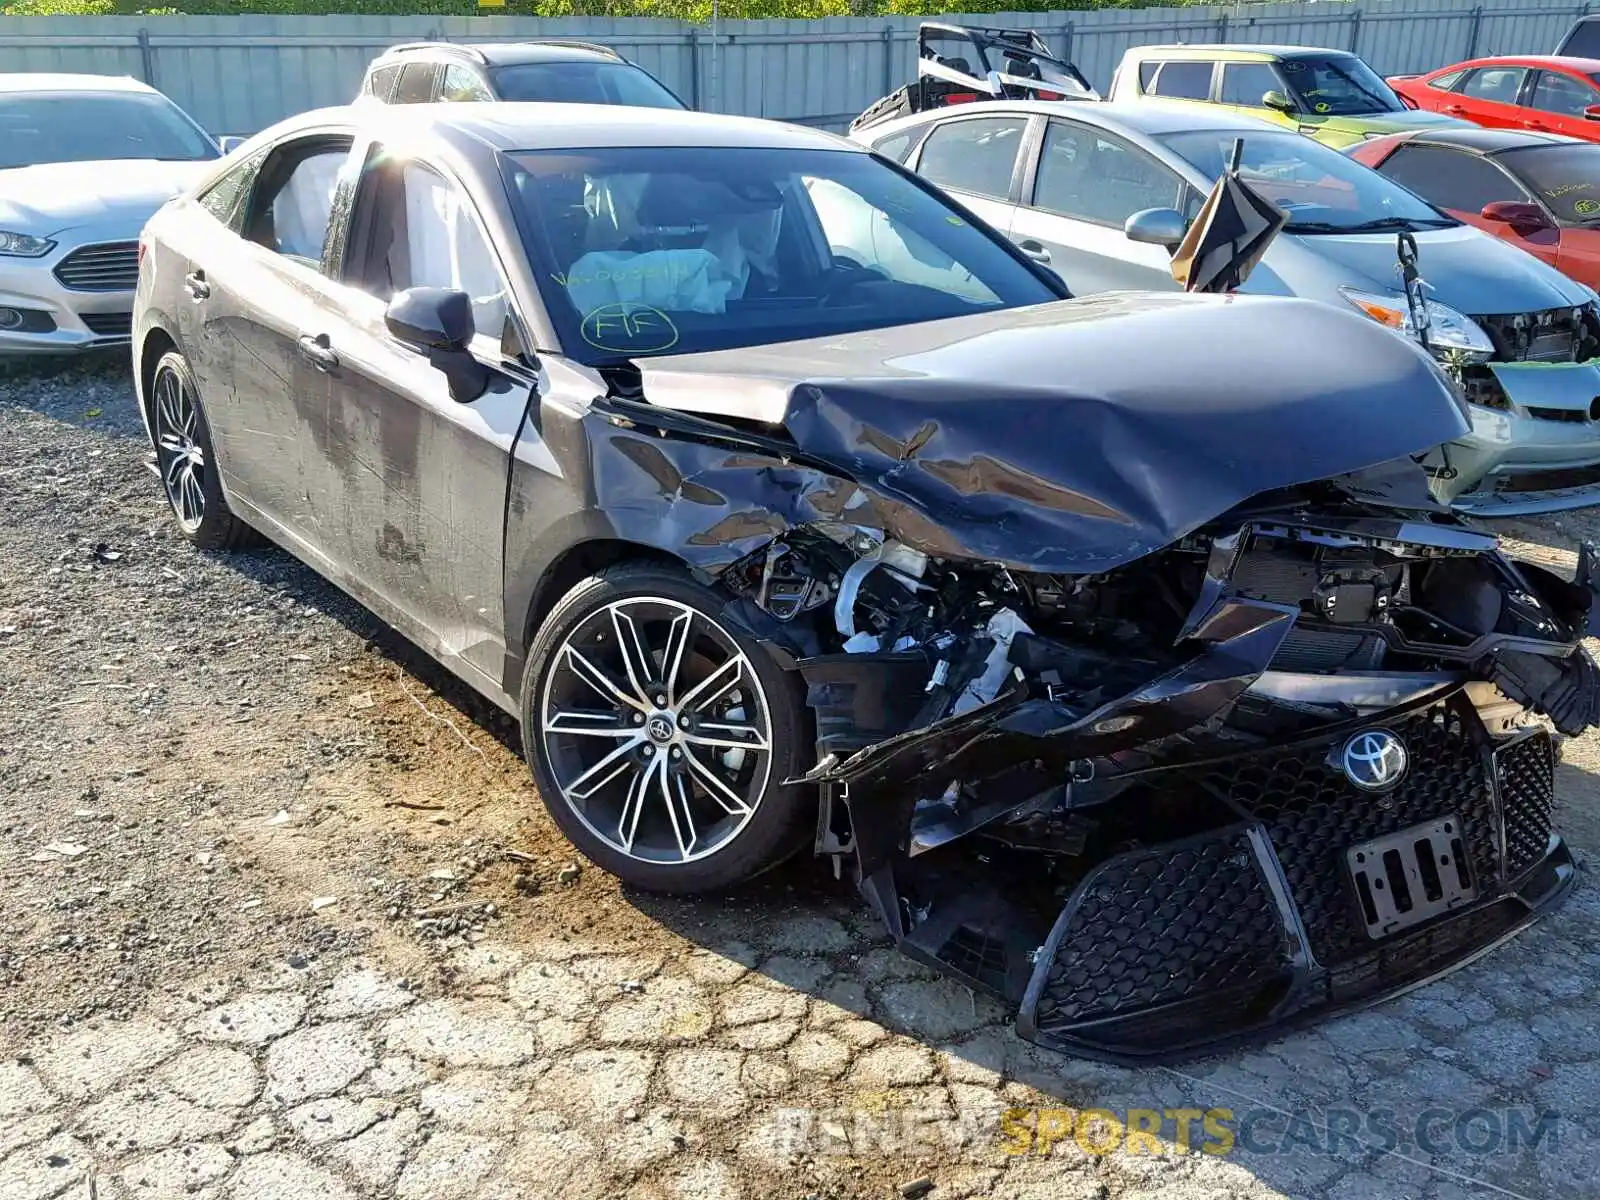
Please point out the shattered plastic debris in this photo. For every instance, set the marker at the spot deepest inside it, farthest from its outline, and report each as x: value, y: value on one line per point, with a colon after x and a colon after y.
x: 1003, y: 628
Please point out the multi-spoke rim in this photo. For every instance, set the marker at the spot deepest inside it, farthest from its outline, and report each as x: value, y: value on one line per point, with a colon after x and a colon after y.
x: 178, y: 453
x: 656, y: 730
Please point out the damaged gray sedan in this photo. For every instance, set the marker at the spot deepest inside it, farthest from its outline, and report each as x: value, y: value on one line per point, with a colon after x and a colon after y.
x: 1115, y: 645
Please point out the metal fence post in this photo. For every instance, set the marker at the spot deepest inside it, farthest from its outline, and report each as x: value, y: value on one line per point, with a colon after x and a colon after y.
x: 1066, y: 41
x: 1472, y: 33
x: 147, y: 57
x: 694, y: 67
x: 1222, y: 28
x: 1355, y: 31
x: 888, y: 59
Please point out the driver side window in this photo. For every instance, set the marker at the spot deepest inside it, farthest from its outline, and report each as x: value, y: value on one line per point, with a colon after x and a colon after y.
x: 1092, y: 176
x: 869, y: 236
x: 293, y: 203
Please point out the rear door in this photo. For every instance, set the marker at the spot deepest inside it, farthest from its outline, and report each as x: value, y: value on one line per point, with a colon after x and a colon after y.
x: 1491, y: 96
x: 250, y: 292
x: 978, y: 159
x: 1557, y: 102
x: 1084, y: 187
x: 411, y: 482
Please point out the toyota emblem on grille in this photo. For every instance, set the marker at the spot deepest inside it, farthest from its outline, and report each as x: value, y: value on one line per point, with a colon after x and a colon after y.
x: 1374, y: 760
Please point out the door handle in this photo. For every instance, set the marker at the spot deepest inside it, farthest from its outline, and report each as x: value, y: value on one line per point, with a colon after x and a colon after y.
x: 319, y: 352
x: 195, y: 281
x: 1455, y: 110
x: 1034, y: 251
x: 1534, y: 125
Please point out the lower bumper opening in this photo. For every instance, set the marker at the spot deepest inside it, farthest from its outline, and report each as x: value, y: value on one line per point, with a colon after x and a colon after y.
x: 1169, y: 949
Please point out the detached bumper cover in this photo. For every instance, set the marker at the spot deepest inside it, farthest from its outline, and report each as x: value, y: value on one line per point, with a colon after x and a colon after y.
x: 1178, y: 948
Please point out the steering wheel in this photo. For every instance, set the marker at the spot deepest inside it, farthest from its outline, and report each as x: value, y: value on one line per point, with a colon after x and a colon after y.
x: 844, y: 275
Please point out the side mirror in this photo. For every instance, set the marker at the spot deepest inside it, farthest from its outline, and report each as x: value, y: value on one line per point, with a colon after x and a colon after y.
x: 1278, y: 101
x: 1523, y: 217
x: 1156, y: 227
x: 431, y: 319
x: 228, y: 143
x: 1592, y: 112
x: 439, y: 322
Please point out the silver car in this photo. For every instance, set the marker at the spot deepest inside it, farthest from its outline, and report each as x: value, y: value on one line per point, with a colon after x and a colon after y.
x: 1104, y: 192
x: 85, y: 161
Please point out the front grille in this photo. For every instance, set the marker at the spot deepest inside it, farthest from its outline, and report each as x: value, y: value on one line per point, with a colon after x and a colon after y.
x: 113, y: 267
x: 1160, y: 926
x: 109, y: 324
x: 1554, y: 335
x: 1568, y: 416
x: 1525, y: 774
x: 1312, y: 813
x: 1411, y: 957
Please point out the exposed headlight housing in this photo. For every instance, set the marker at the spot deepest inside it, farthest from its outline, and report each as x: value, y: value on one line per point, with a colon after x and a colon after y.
x: 1447, y: 329
x: 24, y: 245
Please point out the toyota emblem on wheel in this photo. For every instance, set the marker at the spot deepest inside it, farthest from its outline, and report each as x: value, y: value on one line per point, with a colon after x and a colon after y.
x: 1374, y: 760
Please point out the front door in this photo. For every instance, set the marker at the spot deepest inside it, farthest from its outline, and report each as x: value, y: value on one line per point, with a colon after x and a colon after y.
x: 413, y: 481
x: 1086, y: 185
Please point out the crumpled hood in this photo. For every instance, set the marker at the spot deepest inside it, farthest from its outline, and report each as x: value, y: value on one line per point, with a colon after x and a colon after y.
x: 1465, y: 268
x: 1081, y: 435
x: 46, y: 199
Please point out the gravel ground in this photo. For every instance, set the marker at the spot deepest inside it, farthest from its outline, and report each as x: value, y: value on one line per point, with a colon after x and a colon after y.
x: 281, y: 918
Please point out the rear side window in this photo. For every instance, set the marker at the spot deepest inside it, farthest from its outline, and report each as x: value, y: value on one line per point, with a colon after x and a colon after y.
x: 1446, y: 82
x: 976, y: 155
x: 1184, y: 81
x: 1583, y: 41
x: 1247, y: 82
x: 1497, y: 84
x: 1449, y: 178
x: 416, y: 84
x: 290, y: 213
x: 381, y: 82
x: 1147, y: 77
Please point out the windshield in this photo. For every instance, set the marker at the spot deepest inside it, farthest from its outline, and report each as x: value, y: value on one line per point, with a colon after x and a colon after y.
x: 651, y: 250
x: 51, y: 127
x: 1338, y: 86
x: 1322, y: 190
x: 583, y: 83
x: 1565, y: 177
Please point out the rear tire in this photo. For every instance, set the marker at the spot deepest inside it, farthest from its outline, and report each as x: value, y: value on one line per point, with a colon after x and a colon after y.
x: 186, y: 460
x: 660, y: 738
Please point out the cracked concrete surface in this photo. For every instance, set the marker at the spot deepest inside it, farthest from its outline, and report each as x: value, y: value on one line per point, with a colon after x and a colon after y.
x: 800, y: 1060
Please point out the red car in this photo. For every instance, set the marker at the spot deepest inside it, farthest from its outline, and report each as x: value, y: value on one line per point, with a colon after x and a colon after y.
x: 1538, y: 191
x: 1538, y: 92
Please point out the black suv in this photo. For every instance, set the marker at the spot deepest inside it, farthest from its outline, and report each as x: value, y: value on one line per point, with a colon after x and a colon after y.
x: 561, y: 71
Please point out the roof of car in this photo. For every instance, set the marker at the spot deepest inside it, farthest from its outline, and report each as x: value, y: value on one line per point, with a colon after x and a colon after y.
x: 1486, y: 141
x: 509, y: 54
x: 507, y: 126
x: 1147, y: 117
x: 47, y: 82
x: 1238, y: 50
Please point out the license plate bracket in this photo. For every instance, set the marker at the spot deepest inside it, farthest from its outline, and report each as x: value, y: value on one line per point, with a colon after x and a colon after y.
x: 1404, y: 878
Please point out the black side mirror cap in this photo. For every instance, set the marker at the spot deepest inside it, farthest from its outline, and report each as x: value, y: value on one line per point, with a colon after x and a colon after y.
x: 440, y: 323
x: 431, y: 319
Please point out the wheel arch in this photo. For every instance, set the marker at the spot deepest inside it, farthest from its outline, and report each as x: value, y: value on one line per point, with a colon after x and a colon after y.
x: 564, y: 572
x: 155, y: 343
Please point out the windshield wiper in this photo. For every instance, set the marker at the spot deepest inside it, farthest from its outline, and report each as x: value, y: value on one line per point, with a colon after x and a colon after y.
x: 1377, y: 225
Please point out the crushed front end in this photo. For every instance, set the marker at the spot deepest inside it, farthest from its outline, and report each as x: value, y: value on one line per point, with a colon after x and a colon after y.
x: 1285, y: 766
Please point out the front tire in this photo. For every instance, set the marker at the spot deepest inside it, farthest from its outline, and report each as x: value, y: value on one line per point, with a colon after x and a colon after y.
x: 660, y: 738
x: 187, y: 462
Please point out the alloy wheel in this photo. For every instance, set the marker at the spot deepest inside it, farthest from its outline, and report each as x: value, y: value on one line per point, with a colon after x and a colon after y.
x: 656, y: 730
x: 179, y: 455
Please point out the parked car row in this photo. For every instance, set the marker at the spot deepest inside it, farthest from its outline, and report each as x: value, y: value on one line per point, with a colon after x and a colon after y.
x: 1499, y: 222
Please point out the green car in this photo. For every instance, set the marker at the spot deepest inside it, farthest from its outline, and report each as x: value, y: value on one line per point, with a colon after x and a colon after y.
x: 1330, y: 95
